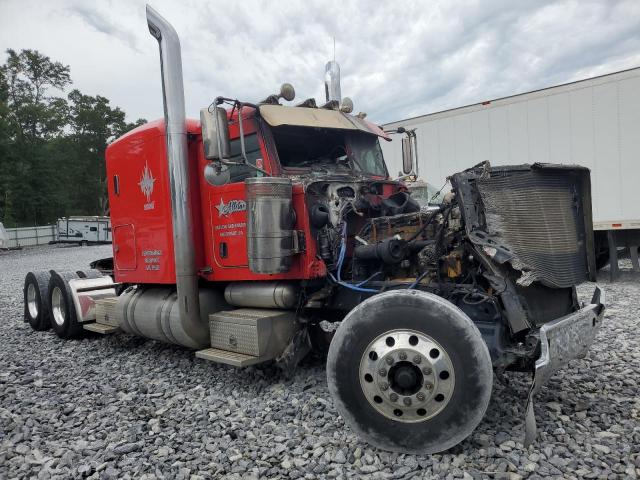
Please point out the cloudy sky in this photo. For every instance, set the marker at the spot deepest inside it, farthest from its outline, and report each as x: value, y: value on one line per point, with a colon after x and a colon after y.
x: 398, y: 59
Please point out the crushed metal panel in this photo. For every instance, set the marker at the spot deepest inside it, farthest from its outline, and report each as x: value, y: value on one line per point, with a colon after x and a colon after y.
x: 537, y: 218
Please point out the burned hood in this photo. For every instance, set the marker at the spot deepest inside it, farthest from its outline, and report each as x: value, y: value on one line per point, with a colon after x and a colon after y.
x: 536, y: 218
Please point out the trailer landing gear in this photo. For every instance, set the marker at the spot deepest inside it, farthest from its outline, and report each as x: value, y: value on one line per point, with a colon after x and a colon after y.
x: 410, y: 372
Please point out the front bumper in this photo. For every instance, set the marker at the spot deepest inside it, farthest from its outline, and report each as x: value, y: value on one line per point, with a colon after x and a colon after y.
x: 561, y: 341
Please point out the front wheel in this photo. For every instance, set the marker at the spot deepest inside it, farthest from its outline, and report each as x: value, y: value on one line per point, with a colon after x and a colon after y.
x: 409, y: 372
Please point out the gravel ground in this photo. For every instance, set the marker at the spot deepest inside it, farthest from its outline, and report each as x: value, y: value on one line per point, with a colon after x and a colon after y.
x: 124, y: 407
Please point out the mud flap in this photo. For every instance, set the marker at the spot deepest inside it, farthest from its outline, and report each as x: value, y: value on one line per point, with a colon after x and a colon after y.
x: 561, y: 341
x: 297, y: 349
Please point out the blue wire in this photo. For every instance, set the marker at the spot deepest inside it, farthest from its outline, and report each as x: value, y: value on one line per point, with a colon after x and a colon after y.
x: 352, y: 287
x: 418, y: 280
x: 368, y: 279
x: 343, y: 250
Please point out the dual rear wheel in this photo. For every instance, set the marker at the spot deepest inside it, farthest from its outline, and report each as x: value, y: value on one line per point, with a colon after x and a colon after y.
x: 48, y: 302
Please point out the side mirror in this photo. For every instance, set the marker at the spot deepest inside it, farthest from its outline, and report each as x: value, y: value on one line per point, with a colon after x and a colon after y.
x: 409, y: 153
x: 215, y: 133
x: 217, y: 174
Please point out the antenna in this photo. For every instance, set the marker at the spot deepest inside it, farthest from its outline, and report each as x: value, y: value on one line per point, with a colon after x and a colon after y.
x: 334, y: 48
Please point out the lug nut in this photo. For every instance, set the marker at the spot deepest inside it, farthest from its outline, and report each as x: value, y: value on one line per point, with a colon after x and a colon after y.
x: 382, y: 372
x: 417, y: 359
x: 384, y: 386
x: 407, y: 401
x: 428, y: 386
x: 421, y: 396
x: 393, y: 397
x: 403, y: 356
x: 426, y: 371
x: 389, y: 360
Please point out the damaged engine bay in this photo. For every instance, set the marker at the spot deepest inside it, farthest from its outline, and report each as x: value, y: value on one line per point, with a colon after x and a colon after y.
x: 508, y: 274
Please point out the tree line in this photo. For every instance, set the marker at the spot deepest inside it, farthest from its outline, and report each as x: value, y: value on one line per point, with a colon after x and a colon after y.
x: 52, y: 145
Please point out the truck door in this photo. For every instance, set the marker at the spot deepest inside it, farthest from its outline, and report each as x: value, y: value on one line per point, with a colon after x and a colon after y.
x: 228, y: 207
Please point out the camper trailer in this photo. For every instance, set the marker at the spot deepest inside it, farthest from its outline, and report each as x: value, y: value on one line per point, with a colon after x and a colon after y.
x: 83, y: 230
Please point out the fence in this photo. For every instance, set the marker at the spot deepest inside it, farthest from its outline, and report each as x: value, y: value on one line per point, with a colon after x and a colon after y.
x: 29, y: 236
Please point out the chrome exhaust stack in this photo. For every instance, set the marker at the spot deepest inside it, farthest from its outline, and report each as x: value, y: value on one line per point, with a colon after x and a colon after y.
x: 332, y: 82
x: 177, y: 156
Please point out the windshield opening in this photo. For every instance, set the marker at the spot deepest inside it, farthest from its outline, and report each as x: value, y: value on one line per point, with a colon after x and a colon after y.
x: 329, y: 150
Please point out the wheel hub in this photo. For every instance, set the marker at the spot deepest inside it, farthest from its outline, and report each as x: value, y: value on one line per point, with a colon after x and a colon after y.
x: 32, y: 302
x: 406, y: 376
x: 58, y: 307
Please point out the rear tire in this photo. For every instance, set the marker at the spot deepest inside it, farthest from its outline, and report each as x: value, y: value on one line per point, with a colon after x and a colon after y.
x: 36, y: 300
x: 63, y: 312
x: 410, y: 372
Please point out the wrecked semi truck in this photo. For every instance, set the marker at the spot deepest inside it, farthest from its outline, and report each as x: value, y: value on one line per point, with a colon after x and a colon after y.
x: 264, y: 231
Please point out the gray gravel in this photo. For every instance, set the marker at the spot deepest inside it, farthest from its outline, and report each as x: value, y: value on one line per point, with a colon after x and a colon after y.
x: 123, y: 407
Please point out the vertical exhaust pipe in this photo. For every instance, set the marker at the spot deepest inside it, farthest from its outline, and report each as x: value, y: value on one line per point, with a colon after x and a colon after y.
x: 332, y: 82
x: 177, y: 157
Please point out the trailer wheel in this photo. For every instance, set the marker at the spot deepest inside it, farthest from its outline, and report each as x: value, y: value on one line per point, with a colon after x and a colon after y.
x: 63, y: 313
x: 410, y: 372
x: 36, y: 305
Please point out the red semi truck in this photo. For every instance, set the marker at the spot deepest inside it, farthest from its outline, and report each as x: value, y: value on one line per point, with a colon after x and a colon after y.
x: 263, y: 231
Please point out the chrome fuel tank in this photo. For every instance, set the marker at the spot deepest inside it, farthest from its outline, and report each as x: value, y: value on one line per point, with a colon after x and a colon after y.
x: 154, y: 313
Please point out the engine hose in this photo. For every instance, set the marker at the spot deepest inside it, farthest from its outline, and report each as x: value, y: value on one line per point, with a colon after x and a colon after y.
x: 422, y: 229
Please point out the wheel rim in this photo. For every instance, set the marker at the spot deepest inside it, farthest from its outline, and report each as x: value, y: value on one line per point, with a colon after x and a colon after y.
x: 58, y: 307
x: 407, y: 376
x: 32, y: 301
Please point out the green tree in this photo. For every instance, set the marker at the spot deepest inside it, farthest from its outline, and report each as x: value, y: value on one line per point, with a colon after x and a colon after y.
x: 93, y: 123
x: 32, y: 118
x: 51, y: 147
x: 29, y: 76
x: 6, y: 160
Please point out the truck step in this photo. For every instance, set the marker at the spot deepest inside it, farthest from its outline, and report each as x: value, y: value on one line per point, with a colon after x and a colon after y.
x: 229, y: 358
x: 100, y: 328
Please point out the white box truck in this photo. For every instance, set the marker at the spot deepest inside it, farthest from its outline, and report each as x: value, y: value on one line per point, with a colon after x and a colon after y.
x: 594, y: 123
x: 83, y: 230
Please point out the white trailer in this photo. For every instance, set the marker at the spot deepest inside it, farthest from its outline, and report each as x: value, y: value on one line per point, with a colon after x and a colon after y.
x: 83, y: 230
x: 593, y: 122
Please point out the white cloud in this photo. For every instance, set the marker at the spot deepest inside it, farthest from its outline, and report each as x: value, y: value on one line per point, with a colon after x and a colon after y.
x: 397, y: 61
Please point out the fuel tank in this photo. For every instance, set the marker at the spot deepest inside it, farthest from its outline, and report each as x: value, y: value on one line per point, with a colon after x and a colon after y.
x: 153, y: 313
x: 262, y: 294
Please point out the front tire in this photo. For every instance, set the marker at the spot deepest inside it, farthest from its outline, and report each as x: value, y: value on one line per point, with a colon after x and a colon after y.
x: 410, y: 372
